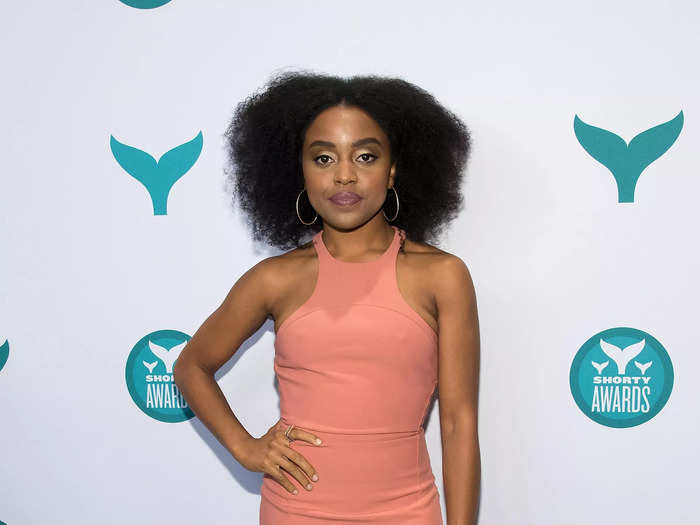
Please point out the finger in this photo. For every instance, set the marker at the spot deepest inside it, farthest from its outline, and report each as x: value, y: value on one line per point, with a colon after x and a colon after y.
x: 293, y: 469
x: 279, y: 476
x: 302, y: 463
x: 303, y: 435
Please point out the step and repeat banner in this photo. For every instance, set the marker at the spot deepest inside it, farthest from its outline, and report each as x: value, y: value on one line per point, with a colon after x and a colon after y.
x: 120, y: 237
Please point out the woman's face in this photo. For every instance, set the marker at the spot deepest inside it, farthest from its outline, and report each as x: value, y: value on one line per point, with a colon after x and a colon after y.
x: 346, y: 155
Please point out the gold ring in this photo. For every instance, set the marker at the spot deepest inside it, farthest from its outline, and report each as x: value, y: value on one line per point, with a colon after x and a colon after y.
x: 289, y: 429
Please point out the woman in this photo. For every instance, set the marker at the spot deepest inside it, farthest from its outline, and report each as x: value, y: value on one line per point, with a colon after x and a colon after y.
x: 369, y: 318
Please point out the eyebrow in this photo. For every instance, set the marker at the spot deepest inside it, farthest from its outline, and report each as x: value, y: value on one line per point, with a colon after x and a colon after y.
x: 366, y: 140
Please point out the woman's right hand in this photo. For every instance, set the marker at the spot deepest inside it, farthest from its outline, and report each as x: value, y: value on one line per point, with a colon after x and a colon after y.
x: 271, y: 454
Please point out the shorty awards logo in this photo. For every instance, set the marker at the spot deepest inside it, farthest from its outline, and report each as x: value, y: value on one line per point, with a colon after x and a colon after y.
x: 4, y: 353
x: 157, y: 176
x: 625, y: 161
x: 149, y: 376
x: 144, y: 4
x: 621, y: 377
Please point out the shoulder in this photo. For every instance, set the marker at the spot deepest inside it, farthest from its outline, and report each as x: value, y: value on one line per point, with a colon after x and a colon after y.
x: 448, y: 273
x: 275, y: 275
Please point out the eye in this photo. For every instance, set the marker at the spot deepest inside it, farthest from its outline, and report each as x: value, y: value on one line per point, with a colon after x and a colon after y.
x: 322, y: 163
x: 363, y: 155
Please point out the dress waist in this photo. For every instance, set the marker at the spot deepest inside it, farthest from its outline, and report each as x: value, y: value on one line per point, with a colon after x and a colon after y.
x: 356, y: 434
x: 359, y: 473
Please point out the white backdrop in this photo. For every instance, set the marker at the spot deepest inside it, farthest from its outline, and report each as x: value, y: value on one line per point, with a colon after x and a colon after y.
x: 88, y: 269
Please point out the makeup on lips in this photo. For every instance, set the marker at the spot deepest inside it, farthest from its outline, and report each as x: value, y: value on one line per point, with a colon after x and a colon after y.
x: 345, y: 199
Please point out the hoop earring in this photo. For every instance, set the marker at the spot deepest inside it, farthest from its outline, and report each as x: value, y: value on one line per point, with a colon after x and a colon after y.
x: 306, y: 223
x: 397, y: 206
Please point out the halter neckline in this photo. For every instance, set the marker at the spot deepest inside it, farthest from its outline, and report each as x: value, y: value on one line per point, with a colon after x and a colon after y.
x: 318, y: 239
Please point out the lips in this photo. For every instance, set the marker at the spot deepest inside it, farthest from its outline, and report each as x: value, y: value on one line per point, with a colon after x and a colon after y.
x: 345, y: 197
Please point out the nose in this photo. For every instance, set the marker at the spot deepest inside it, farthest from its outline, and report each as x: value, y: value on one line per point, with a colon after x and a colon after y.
x: 345, y: 172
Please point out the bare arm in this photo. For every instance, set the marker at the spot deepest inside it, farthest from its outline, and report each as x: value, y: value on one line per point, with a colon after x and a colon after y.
x: 240, y: 315
x: 459, y: 349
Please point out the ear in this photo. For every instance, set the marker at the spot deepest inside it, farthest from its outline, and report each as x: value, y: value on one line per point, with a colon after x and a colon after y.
x: 392, y: 175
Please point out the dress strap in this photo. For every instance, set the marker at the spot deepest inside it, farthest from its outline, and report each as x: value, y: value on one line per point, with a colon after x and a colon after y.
x: 402, y: 236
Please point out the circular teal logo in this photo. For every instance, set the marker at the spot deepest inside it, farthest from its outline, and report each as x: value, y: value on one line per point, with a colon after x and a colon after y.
x: 621, y: 377
x: 4, y: 355
x: 149, y: 376
x: 144, y: 4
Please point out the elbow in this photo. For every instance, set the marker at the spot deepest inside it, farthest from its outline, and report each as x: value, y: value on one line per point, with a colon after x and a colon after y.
x: 177, y: 372
x: 184, y: 368
x: 462, y: 425
x: 181, y: 370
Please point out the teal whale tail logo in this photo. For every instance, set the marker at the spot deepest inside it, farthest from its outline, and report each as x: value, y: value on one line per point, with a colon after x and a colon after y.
x: 626, y: 162
x: 621, y: 377
x: 4, y: 353
x: 150, y: 377
x: 157, y: 176
x: 167, y: 356
x: 620, y: 355
x: 144, y: 4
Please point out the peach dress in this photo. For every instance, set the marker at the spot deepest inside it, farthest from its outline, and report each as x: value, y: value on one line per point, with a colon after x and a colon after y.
x: 357, y: 366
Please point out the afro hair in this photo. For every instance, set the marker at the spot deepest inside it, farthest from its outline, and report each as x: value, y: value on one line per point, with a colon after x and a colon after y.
x: 264, y: 142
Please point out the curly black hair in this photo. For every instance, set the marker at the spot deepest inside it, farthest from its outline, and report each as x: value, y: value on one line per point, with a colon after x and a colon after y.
x: 264, y: 140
